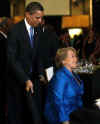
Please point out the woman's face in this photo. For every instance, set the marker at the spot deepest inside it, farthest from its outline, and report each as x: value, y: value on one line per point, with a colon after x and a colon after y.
x: 71, y: 60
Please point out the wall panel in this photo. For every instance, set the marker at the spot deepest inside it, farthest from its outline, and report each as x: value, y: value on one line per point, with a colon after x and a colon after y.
x: 54, y: 7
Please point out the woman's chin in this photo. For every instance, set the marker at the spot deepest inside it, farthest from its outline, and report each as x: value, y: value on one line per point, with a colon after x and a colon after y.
x: 74, y: 67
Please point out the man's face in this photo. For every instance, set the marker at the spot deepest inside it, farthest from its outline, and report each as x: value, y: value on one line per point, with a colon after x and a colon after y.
x: 35, y: 19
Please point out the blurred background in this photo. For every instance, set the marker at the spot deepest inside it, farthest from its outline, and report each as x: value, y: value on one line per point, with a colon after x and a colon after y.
x: 59, y: 13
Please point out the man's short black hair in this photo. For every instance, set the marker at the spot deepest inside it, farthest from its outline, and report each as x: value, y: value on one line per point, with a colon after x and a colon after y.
x: 33, y: 7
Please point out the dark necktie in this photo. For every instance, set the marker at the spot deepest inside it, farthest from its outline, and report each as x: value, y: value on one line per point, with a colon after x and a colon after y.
x: 31, y: 36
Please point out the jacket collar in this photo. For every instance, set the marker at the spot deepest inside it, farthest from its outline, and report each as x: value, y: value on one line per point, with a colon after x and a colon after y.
x: 67, y: 71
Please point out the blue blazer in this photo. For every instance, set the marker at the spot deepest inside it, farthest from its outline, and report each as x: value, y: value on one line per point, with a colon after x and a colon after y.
x: 64, y: 95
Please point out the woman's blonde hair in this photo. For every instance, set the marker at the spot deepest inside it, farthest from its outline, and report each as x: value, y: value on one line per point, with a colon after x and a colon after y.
x: 61, y: 55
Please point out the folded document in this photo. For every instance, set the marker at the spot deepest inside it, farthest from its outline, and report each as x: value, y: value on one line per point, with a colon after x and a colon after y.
x: 49, y: 73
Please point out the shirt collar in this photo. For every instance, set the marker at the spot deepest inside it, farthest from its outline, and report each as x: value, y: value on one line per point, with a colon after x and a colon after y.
x: 67, y: 71
x: 27, y: 25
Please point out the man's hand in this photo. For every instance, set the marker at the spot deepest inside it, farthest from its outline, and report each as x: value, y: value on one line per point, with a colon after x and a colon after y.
x: 65, y: 122
x: 42, y: 79
x: 29, y: 86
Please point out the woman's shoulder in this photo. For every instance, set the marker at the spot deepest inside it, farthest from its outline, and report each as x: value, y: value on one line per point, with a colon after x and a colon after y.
x: 62, y: 73
x: 59, y: 78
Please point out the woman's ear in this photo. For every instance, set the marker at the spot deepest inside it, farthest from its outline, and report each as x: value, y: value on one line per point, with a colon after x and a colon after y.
x: 63, y: 62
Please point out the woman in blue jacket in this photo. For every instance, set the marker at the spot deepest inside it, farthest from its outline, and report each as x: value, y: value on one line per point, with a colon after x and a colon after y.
x: 65, y: 90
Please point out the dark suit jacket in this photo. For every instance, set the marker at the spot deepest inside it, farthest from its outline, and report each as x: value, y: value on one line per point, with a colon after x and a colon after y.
x: 47, y: 48
x: 20, y: 59
x: 3, y: 42
x: 20, y: 54
x: 96, y: 85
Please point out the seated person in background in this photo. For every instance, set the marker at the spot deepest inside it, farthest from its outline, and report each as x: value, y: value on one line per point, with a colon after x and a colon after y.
x: 78, y: 42
x: 65, y: 90
x: 89, y: 44
x: 64, y: 38
x: 96, y: 53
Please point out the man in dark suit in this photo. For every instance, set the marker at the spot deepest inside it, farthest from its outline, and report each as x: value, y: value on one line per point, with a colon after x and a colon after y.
x: 3, y: 41
x: 21, y: 63
x: 47, y: 47
x: 5, y: 24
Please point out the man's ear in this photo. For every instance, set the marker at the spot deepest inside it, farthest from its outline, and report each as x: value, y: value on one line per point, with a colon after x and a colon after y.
x: 27, y: 14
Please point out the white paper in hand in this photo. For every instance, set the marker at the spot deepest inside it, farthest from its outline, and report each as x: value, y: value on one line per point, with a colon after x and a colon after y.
x: 49, y: 73
x: 98, y: 103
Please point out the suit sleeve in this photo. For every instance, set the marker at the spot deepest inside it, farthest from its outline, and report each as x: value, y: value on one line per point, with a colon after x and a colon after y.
x: 13, y: 63
x: 58, y: 86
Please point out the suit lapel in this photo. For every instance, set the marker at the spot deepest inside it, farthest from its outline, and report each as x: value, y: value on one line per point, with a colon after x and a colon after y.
x: 27, y: 39
x: 26, y: 35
